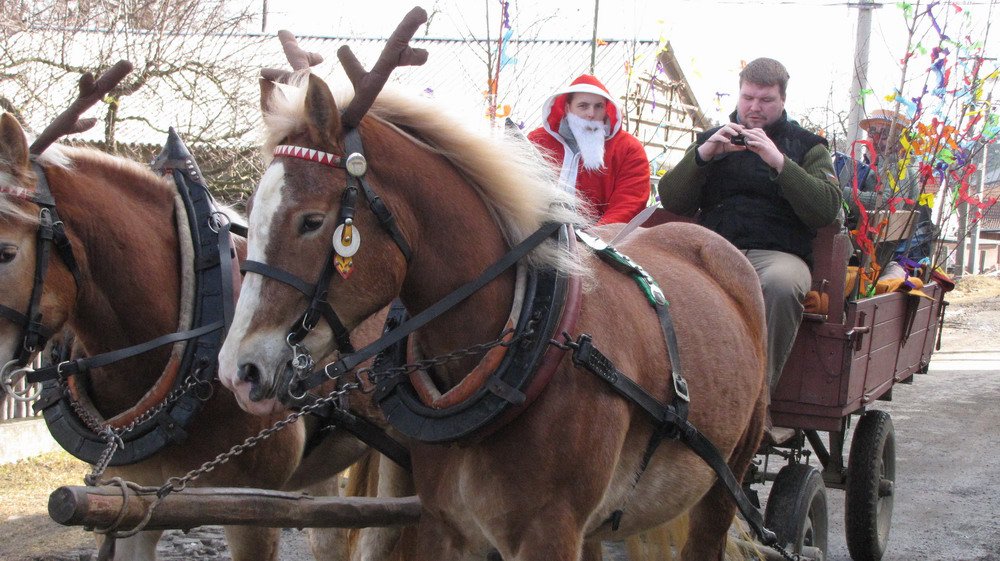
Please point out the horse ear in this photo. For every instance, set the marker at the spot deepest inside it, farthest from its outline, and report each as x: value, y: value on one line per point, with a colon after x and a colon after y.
x: 269, y: 91
x: 13, y: 144
x: 322, y: 113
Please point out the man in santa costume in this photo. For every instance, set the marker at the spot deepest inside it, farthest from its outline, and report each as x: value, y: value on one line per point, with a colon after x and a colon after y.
x: 582, y: 133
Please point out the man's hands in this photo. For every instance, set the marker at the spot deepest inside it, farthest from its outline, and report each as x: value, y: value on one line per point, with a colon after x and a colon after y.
x: 756, y: 142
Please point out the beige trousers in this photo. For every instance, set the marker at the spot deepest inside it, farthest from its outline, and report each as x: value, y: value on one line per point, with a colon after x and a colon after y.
x: 785, y: 279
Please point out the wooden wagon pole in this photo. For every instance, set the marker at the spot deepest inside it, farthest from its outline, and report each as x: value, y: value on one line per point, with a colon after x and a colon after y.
x: 101, y: 507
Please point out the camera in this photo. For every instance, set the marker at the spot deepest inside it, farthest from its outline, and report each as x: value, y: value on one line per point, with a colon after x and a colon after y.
x: 738, y: 140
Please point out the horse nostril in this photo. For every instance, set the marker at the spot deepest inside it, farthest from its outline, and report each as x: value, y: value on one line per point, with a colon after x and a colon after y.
x: 251, y: 374
x: 248, y: 373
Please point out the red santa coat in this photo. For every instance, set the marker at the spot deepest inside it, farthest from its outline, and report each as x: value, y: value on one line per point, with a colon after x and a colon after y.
x: 619, y: 190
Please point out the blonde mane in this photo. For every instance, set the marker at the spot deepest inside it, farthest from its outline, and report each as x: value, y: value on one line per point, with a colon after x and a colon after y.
x: 68, y: 158
x: 520, y: 187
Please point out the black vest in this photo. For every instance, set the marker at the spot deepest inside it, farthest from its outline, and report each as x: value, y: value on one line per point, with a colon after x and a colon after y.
x: 743, y: 204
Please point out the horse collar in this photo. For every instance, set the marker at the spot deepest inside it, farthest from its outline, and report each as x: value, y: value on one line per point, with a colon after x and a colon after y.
x: 503, y: 390
x: 164, y: 413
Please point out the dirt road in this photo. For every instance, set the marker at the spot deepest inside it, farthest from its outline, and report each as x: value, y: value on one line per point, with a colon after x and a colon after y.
x: 948, y: 459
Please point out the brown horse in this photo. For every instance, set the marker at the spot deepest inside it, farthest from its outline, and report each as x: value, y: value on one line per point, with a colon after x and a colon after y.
x: 121, y: 220
x: 545, y: 485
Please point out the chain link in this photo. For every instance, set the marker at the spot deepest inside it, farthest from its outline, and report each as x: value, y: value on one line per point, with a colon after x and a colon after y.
x: 112, y: 436
x: 175, y: 484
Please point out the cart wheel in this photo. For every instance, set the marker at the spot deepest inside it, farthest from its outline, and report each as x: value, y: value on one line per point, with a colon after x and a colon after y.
x: 871, y: 476
x: 796, y: 510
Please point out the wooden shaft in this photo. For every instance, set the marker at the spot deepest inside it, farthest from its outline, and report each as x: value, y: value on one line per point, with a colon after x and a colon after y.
x: 99, y: 507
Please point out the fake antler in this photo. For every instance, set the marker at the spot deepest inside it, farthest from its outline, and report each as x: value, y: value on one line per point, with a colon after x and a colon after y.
x: 298, y: 58
x: 91, y: 91
x: 397, y: 52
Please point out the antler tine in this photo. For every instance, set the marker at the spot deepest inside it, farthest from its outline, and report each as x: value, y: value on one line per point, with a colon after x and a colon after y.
x: 298, y: 58
x: 397, y: 52
x: 91, y: 91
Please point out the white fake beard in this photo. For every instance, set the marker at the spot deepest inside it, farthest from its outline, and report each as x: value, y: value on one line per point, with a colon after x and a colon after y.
x: 589, y: 137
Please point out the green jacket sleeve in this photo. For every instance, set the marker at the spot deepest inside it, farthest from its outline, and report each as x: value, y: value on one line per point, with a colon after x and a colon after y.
x: 680, y: 188
x: 812, y: 188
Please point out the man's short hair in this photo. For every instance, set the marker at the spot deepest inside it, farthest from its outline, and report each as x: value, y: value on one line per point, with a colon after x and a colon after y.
x: 765, y: 72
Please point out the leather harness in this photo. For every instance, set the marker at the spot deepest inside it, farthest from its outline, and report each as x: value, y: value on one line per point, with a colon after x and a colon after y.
x: 34, y: 334
x: 212, y: 314
x: 472, y: 418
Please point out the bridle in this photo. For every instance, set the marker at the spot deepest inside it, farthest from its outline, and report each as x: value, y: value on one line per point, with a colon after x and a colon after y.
x: 346, y: 240
x: 34, y: 334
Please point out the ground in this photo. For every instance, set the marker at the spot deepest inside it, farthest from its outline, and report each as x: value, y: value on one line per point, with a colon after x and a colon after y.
x: 948, y: 511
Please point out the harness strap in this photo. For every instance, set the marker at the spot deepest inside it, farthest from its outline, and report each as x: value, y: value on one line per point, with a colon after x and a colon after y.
x: 674, y: 424
x: 226, y: 256
x: 34, y: 339
x: 353, y: 144
x: 351, y: 361
x: 13, y: 315
x: 317, y: 300
x: 250, y: 266
x: 43, y: 197
x: 367, y: 432
x: 70, y: 367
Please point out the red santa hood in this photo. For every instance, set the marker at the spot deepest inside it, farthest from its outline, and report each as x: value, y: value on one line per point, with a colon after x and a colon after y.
x: 554, y: 108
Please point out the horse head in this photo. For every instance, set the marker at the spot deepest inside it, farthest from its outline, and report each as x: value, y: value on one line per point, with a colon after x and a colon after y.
x: 37, y: 265
x: 30, y: 313
x: 322, y: 197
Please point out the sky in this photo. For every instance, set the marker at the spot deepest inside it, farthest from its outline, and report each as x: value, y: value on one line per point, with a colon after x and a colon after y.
x: 814, y: 39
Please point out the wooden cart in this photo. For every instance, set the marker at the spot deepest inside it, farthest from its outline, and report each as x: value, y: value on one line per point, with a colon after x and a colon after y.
x: 843, y: 361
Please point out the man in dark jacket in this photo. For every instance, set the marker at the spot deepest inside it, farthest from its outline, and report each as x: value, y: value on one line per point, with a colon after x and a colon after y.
x: 766, y: 185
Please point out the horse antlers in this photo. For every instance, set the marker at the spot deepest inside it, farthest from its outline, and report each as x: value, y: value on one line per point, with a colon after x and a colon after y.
x: 91, y: 91
x: 397, y: 52
x: 297, y: 57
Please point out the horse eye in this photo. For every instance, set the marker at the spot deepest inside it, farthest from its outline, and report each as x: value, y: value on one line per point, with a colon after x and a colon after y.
x: 8, y: 253
x: 311, y: 223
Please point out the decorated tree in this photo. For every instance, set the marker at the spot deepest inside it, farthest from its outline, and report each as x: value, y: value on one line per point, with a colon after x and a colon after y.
x: 930, y: 185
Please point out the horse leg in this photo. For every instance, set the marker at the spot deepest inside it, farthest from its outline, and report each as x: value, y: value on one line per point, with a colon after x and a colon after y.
x: 377, y: 544
x: 553, y: 534
x: 140, y: 547
x: 327, y: 544
x: 592, y: 551
x: 434, y: 542
x: 713, y: 515
x: 250, y: 543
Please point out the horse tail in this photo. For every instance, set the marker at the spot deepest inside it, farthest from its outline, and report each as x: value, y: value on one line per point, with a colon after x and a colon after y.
x: 362, y: 481
x: 661, y: 543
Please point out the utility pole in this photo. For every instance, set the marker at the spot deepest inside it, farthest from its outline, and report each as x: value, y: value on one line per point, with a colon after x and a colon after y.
x: 974, y: 264
x: 859, y: 81
x: 593, y: 39
x: 263, y: 17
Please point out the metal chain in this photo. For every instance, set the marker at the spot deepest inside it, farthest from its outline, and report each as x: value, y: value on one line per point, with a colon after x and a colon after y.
x: 175, y: 484
x: 179, y: 483
x: 113, y: 436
